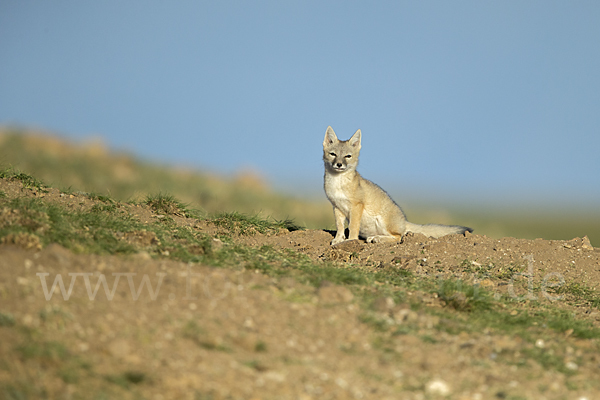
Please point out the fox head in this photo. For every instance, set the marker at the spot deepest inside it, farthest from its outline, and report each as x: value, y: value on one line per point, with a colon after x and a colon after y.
x: 340, y: 155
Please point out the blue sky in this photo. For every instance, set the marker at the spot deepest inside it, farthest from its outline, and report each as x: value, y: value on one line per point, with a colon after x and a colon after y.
x: 456, y: 100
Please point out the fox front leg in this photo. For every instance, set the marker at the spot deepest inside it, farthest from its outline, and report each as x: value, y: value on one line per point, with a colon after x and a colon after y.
x: 354, y: 224
x: 340, y: 220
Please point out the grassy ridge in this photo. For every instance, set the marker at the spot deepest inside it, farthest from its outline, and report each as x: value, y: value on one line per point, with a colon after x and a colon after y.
x: 110, y: 227
x: 91, y: 167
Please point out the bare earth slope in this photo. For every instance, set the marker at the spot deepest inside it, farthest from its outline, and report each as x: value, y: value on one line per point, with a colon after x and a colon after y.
x: 283, y: 315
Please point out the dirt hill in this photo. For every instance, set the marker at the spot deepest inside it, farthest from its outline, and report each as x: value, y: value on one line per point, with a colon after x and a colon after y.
x: 103, y: 299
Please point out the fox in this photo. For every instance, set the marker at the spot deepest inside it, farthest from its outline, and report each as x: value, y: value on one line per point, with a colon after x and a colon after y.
x: 370, y: 212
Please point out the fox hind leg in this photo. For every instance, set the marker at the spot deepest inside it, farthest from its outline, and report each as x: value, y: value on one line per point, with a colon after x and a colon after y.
x: 389, y: 229
x: 384, y: 238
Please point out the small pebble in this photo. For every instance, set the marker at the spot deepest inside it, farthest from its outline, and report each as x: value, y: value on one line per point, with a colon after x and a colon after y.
x: 438, y: 387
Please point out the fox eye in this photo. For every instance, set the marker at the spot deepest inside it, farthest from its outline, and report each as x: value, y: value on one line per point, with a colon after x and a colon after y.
x: 349, y: 156
x: 332, y: 154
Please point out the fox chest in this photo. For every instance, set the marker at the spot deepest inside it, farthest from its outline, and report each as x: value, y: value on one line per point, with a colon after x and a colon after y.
x: 342, y: 195
x: 338, y: 192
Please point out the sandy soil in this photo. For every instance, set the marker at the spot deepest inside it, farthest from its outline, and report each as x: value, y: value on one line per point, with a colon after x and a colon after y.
x: 181, y: 331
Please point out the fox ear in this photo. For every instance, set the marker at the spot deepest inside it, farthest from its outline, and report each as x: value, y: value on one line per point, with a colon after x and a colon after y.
x: 355, y: 139
x: 330, y: 137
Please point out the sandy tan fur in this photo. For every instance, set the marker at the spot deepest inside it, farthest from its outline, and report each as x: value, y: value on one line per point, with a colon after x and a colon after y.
x: 369, y: 210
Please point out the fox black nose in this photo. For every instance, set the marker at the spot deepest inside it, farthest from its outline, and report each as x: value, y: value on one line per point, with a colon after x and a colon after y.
x: 339, y: 165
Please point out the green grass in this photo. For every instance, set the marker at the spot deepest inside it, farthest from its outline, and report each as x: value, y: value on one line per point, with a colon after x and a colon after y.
x: 463, y: 296
x: 126, y: 379
x: 167, y: 204
x: 578, y: 293
x: 6, y: 320
x: 101, y: 230
x: 49, y: 354
x: 196, y: 334
x: 260, y: 347
x: 93, y: 231
x: 28, y: 181
x: 192, y: 330
x: 251, y: 224
x: 44, y: 351
x: 100, y: 197
x: 21, y: 389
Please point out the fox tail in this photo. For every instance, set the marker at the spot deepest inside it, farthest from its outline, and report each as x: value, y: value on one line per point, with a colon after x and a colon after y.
x: 435, y: 230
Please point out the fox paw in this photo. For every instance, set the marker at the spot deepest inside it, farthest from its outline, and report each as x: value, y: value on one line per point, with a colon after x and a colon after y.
x: 381, y: 239
x: 337, y: 240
